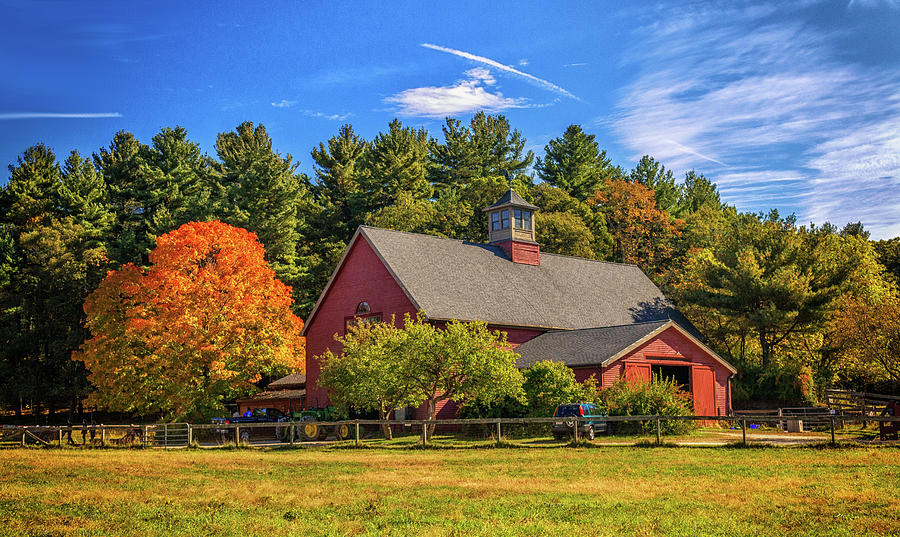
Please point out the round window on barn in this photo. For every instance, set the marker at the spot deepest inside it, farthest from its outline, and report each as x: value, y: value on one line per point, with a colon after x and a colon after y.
x: 363, y: 308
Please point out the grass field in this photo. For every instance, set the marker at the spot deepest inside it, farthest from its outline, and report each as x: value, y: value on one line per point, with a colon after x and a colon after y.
x: 481, y: 491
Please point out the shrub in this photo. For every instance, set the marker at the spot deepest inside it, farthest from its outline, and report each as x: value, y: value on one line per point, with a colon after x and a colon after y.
x: 659, y: 397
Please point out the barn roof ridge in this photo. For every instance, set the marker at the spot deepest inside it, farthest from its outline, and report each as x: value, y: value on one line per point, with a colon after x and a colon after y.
x: 454, y: 279
x: 475, y: 243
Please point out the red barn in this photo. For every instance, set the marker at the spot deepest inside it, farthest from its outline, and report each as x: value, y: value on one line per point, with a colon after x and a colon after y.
x: 599, y: 318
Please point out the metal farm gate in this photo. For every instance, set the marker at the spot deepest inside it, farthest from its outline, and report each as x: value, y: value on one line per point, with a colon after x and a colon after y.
x: 168, y: 435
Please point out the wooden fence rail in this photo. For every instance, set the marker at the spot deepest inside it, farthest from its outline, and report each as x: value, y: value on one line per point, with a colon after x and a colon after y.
x: 175, y: 435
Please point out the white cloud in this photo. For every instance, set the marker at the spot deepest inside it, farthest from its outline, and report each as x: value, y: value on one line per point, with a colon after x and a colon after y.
x: 54, y: 115
x: 463, y: 97
x: 765, y: 107
x: 509, y: 69
x: 523, y: 62
x: 481, y: 74
x: 284, y: 103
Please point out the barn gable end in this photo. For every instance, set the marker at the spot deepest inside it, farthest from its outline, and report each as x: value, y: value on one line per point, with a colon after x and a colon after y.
x: 360, y: 277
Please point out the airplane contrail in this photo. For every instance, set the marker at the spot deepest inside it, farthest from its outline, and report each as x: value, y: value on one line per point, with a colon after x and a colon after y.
x: 487, y: 61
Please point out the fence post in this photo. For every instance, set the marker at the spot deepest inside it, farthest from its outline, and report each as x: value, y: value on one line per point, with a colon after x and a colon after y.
x: 576, y: 429
x: 166, y: 435
x: 190, y: 433
x: 102, y: 435
x: 60, y: 436
x: 424, y: 434
x: 744, y: 430
x: 832, y: 430
x: 237, y: 435
x: 498, y: 431
x: 658, y: 439
x: 291, y: 431
x: 357, y: 433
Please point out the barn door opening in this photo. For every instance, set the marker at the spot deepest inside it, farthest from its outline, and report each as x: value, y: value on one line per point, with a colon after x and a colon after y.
x: 680, y: 374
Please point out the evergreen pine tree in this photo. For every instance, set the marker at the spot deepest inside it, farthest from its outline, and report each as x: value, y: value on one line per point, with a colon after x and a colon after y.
x: 397, y: 163
x: 264, y: 195
x: 576, y: 164
x: 123, y: 167
x: 661, y: 181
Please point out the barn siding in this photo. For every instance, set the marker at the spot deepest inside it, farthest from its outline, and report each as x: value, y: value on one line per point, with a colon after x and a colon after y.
x: 584, y: 373
x: 673, y: 343
x: 362, y: 277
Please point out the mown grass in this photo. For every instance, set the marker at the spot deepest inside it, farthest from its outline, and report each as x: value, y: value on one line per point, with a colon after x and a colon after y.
x: 481, y: 491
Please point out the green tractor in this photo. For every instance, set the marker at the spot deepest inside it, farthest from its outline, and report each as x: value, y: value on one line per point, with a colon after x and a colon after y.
x: 308, y: 428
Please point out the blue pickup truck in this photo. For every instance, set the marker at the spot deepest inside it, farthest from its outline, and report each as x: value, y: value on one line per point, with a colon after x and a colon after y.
x: 258, y: 415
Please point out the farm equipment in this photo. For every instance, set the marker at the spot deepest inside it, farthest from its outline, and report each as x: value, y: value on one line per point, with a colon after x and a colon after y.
x: 309, y: 428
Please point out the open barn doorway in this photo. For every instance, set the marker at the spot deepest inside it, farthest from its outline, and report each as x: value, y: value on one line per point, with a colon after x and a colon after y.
x: 680, y: 374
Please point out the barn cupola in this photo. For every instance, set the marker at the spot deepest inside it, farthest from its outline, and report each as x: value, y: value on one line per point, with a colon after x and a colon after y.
x: 511, y: 227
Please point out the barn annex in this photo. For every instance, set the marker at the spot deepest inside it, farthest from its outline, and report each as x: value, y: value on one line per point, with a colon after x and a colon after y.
x: 599, y: 318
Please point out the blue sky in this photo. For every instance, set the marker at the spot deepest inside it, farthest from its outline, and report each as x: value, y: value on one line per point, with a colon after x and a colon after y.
x: 792, y: 105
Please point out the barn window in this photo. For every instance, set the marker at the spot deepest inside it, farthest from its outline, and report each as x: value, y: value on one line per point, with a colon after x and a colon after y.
x: 495, y: 221
x: 522, y: 219
x: 504, y: 218
x: 356, y: 320
x: 363, y: 308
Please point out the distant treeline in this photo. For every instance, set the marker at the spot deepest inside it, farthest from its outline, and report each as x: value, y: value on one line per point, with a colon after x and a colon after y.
x: 772, y: 296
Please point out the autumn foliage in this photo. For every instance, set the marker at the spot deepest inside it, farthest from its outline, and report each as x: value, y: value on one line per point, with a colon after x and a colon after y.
x: 200, y: 325
x: 643, y: 233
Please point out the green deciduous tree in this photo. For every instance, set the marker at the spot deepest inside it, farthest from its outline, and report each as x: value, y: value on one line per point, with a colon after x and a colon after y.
x: 365, y: 375
x: 771, y: 278
x: 462, y: 362
x: 549, y: 384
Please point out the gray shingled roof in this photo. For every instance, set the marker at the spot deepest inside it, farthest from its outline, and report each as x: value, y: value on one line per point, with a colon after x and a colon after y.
x: 512, y: 197
x: 590, y: 346
x: 452, y: 279
x: 290, y: 381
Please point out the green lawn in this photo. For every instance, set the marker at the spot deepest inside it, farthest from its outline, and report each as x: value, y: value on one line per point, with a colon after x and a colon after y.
x: 478, y: 491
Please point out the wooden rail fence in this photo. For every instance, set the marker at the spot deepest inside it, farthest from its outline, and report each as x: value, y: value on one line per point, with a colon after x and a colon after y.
x: 181, y: 435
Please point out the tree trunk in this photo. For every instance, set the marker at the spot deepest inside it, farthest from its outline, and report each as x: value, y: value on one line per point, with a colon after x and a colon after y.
x: 765, y: 351
x: 386, y: 428
x: 431, y: 416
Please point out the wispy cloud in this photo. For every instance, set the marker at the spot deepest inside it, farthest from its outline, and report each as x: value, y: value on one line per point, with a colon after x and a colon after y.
x: 323, y: 115
x: 576, y: 64
x: 776, y: 115
x: 55, y: 115
x: 465, y: 96
x: 546, y: 84
x: 286, y: 103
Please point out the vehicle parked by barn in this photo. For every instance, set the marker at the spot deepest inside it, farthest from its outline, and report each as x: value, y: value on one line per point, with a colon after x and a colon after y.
x: 586, y: 429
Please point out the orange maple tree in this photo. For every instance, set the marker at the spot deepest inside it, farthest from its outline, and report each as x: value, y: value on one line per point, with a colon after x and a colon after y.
x: 644, y: 234
x: 199, y: 326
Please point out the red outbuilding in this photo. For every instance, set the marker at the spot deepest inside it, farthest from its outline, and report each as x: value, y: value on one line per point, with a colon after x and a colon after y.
x: 599, y: 318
